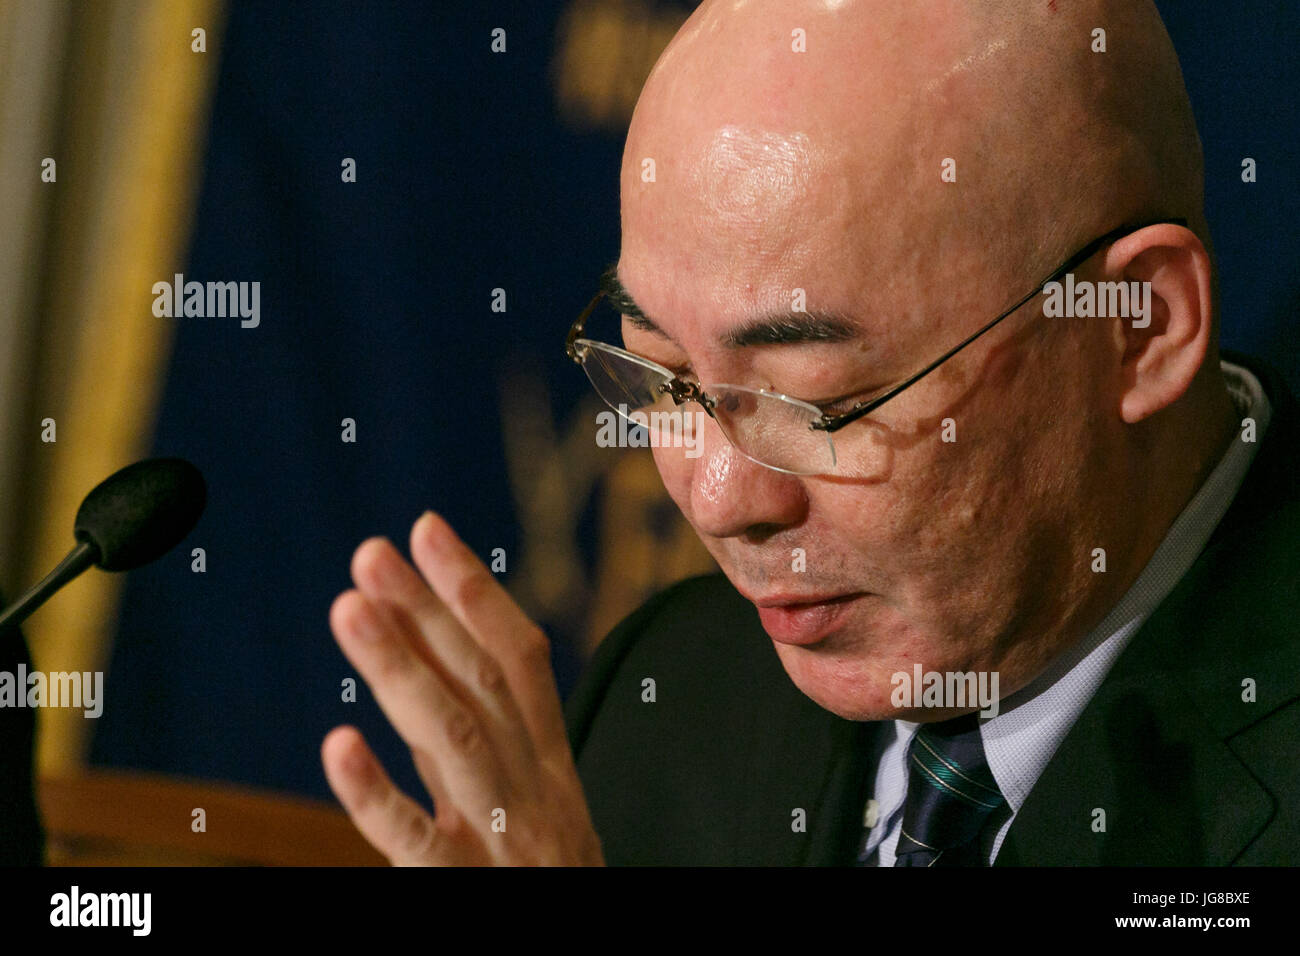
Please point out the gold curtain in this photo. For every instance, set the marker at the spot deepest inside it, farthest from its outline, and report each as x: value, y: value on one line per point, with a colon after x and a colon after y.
x: 117, y: 95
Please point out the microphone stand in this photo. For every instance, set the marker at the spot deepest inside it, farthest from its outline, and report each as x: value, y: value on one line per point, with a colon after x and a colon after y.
x: 82, y: 556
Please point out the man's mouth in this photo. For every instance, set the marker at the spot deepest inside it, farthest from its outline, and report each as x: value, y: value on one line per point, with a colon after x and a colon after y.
x: 803, y: 619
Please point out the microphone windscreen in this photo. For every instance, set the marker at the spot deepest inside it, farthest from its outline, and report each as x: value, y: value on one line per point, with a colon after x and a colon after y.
x: 139, y: 513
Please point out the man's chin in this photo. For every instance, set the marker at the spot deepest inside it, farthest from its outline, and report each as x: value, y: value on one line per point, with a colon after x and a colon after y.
x: 844, y: 686
x: 854, y: 690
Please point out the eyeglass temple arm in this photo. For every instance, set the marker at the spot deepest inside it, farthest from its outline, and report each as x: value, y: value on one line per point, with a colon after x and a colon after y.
x: 579, y: 324
x: 1080, y: 257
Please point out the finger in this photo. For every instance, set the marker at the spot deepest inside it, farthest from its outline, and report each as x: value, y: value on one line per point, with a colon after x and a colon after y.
x: 422, y: 708
x: 364, y: 572
x: 446, y: 815
x: 383, y: 574
x: 392, y: 822
x: 491, y: 615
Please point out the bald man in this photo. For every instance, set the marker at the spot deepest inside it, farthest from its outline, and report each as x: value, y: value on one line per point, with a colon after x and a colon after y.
x: 1009, y: 550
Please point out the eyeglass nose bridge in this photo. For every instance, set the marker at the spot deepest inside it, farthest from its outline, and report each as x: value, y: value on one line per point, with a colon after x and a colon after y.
x: 682, y: 391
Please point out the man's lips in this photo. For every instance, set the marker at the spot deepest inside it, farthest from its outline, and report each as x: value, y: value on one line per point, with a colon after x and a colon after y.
x: 795, y: 600
x: 802, y: 618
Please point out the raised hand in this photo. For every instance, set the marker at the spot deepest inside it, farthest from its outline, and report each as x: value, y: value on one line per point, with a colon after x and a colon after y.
x: 465, y: 678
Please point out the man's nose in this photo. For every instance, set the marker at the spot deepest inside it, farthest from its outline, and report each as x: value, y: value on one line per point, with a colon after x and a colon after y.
x: 732, y: 495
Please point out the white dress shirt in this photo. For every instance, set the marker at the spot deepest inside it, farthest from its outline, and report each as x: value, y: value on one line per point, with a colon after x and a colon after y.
x: 1032, y: 722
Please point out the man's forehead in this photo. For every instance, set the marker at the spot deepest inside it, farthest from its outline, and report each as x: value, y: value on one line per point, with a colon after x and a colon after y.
x: 750, y: 183
x: 742, y: 221
x: 743, y: 173
x: 769, y: 220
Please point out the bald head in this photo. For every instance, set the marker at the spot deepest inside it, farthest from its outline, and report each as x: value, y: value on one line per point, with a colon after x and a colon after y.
x: 1050, y: 142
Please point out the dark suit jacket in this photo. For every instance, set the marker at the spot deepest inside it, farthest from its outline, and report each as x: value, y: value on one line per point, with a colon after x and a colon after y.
x: 21, y: 840
x: 1187, y: 772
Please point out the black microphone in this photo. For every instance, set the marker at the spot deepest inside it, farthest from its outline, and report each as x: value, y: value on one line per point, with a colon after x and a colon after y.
x: 130, y: 518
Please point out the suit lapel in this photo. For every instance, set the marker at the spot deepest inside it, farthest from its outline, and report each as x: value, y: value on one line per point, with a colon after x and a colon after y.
x: 820, y: 766
x: 837, y: 828
x: 1141, y: 762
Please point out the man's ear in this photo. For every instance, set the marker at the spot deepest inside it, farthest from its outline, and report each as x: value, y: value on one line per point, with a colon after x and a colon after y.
x: 1164, y: 350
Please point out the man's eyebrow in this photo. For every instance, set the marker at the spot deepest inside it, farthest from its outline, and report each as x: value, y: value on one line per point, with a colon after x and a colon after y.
x: 621, y: 299
x: 781, y: 328
x: 791, y: 328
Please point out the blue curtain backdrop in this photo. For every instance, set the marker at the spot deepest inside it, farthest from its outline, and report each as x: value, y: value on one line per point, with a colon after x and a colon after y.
x: 376, y: 306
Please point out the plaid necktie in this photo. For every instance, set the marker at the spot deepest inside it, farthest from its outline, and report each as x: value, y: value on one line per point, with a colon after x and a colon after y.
x: 950, y: 795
